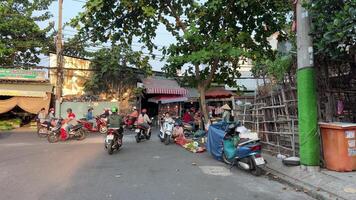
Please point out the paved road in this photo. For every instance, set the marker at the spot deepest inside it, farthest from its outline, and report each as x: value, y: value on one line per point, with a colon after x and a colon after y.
x: 33, y: 169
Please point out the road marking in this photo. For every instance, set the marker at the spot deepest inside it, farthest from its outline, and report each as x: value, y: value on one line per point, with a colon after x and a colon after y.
x: 215, y: 170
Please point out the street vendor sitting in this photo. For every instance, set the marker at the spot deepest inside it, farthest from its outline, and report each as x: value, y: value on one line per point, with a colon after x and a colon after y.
x: 226, y: 114
x: 188, y: 118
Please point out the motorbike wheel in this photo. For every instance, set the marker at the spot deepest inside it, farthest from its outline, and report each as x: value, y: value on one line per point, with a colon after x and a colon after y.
x: 81, y: 134
x: 52, y: 138
x: 225, y: 160
x: 110, y: 149
x: 166, y: 139
x: 138, y: 138
x: 148, y: 136
x: 103, y: 129
x: 160, y: 138
x: 256, y: 171
x: 42, y: 132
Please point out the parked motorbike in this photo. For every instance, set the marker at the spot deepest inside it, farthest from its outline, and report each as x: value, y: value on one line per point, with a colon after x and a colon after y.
x: 42, y: 129
x: 243, y: 152
x: 101, y: 125
x: 77, y: 132
x: 166, y: 131
x: 113, y: 140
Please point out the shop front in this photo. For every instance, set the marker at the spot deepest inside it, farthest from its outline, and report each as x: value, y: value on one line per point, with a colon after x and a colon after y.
x: 163, y: 95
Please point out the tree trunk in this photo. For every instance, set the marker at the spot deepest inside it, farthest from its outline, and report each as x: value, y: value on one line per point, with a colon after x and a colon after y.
x: 203, y: 109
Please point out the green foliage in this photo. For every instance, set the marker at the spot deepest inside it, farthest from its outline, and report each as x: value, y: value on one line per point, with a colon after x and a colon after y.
x: 333, y: 28
x: 114, y: 70
x: 212, y: 36
x: 21, y: 39
x: 276, y: 69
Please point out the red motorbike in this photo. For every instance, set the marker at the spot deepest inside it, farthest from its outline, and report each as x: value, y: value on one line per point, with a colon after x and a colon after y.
x: 101, y: 125
x: 130, y: 122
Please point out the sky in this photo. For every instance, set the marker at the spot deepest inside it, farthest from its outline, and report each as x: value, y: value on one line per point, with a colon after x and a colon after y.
x: 72, y: 7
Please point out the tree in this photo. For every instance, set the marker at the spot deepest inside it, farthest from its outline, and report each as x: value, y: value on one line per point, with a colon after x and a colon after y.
x: 212, y: 36
x: 21, y: 38
x: 114, y: 71
x: 333, y: 29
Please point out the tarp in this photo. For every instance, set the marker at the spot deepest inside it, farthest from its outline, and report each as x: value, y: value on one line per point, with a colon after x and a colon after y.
x: 155, y: 85
x: 214, y: 143
x: 167, y: 99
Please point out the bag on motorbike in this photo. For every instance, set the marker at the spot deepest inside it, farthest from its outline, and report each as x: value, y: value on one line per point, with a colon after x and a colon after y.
x: 63, y: 134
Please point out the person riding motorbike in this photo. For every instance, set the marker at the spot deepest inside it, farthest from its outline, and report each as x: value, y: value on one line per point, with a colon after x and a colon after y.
x: 143, y: 120
x: 70, y: 121
x: 50, y: 120
x: 116, y: 121
x: 90, y: 118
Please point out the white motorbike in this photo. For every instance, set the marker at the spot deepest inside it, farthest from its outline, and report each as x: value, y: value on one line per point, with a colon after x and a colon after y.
x: 166, y: 132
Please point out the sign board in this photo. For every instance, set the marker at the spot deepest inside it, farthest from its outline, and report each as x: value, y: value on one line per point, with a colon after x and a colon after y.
x: 22, y: 74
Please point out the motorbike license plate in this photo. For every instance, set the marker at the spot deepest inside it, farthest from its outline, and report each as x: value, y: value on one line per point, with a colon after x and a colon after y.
x: 137, y: 130
x: 110, y: 137
x: 259, y: 161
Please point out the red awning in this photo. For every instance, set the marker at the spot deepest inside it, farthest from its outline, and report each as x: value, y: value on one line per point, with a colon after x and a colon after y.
x: 167, y: 99
x: 163, y: 86
x: 218, y: 93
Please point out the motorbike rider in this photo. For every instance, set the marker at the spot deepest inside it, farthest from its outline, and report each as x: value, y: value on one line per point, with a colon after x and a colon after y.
x: 50, y: 117
x: 42, y: 115
x: 144, y: 121
x: 90, y: 118
x: 70, y: 121
x: 116, y: 121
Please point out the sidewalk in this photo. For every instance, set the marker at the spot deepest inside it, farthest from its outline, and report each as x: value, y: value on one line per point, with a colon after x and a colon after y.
x: 320, y: 185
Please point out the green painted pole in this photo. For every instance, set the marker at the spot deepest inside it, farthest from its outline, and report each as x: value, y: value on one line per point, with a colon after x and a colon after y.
x: 308, y: 118
x: 309, y: 143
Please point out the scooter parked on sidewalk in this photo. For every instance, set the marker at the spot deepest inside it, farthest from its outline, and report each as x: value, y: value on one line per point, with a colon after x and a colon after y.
x: 113, y: 140
x: 166, y: 131
x: 101, y: 125
x: 243, y: 152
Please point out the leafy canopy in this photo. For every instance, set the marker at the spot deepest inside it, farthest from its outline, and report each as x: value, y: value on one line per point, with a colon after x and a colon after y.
x: 333, y: 28
x: 113, y: 69
x: 21, y: 38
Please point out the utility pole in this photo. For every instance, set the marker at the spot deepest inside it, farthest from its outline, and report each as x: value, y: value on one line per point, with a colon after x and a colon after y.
x: 59, y: 60
x: 309, y: 139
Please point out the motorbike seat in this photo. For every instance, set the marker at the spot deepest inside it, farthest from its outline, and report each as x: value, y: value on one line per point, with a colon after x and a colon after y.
x: 242, y: 140
x: 141, y: 127
x: 76, y: 127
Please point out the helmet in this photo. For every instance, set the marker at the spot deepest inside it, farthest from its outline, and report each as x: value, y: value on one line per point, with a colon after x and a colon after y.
x: 114, y: 109
x: 134, y: 108
x: 144, y: 110
x: 69, y: 110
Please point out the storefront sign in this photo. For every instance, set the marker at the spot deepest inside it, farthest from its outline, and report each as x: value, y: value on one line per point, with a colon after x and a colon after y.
x: 22, y: 74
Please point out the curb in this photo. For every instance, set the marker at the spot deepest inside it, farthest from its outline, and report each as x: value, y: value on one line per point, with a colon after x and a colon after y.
x: 312, y: 191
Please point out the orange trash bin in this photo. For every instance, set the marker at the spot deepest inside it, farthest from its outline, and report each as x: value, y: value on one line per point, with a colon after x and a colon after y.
x: 339, y: 146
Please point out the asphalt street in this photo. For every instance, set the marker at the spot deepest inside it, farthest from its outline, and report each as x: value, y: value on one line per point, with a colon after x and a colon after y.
x: 33, y: 169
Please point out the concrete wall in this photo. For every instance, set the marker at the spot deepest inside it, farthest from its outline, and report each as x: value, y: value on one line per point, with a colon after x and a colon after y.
x: 81, y: 108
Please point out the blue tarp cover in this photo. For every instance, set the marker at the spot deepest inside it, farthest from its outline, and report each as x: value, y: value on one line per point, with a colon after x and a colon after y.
x: 214, y: 144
